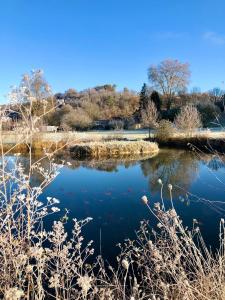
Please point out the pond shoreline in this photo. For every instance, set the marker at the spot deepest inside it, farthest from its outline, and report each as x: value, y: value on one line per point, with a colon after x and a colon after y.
x: 202, y: 143
x: 14, y: 142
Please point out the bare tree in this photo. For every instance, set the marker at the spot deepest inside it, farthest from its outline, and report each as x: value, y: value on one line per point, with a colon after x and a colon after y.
x: 150, y: 116
x: 36, y: 85
x: 33, y: 97
x: 216, y: 94
x: 188, y: 119
x: 169, y: 77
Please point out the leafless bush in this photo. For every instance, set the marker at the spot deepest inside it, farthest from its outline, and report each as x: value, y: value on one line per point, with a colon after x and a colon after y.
x: 165, y: 130
x: 188, y: 119
x: 150, y: 115
x: 76, y: 119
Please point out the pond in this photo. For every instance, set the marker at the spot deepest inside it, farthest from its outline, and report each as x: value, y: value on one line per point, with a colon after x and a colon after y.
x: 110, y: 191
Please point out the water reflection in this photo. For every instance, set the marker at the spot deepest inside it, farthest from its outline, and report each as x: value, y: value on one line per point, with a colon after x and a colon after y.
x: 215, y: 162
x: 178, y: 168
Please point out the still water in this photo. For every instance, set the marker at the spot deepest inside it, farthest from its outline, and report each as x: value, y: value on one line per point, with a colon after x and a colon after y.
x: 109, y: 191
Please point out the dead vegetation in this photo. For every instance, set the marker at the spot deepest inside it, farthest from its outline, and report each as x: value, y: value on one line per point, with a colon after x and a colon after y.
x: 113, y: 149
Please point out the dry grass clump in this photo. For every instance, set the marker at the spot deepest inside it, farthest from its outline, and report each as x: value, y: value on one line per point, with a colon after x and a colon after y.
x: 165, y: 130
x: 113, y: 149
x: 173, y: 261
x: 16, y: 148
x: 37, y: 147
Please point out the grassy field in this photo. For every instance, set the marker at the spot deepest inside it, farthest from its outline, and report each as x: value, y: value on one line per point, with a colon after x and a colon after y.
x: 12, y: 137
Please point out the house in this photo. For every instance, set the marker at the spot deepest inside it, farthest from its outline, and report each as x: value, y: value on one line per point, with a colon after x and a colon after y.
x: 47, y: 128
x: 12, y: 115
x: 9, y: 119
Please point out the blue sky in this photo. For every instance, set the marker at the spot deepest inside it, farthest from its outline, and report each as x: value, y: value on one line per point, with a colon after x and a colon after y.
x: 83, y: 43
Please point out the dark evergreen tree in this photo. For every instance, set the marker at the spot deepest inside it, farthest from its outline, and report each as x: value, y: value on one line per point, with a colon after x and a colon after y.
x: 144, y: 97
x: 156, y: 99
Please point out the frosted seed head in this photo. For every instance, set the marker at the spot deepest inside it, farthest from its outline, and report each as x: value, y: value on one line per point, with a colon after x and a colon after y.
x: 144, y: 199
x: 159, y: 181
x: 170, y: 187
x: 125, y: 264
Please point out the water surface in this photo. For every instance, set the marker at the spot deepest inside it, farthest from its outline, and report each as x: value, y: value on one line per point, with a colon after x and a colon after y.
x: 109, y: 191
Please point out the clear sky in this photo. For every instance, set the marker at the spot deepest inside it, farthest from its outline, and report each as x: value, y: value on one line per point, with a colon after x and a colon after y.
x: 83, y: 43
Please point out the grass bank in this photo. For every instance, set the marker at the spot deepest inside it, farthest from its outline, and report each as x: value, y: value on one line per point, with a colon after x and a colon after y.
x: 113, y: 149
x: 14, y: 142
x: 205, y: 141
x: 36, y: 146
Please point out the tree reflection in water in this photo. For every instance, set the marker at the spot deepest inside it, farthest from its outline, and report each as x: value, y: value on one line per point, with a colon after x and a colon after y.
x: 176, y: 167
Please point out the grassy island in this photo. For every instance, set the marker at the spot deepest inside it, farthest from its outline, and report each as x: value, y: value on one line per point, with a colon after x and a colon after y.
x: 113, y: 149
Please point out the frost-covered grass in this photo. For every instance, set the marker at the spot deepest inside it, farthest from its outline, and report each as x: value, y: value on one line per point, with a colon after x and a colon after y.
x: 113, y: 148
